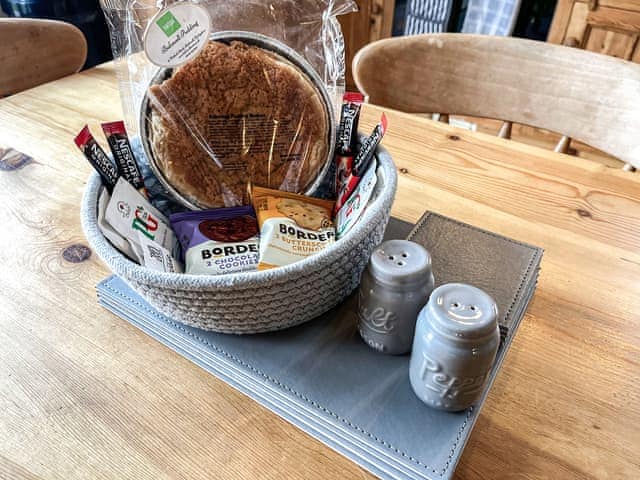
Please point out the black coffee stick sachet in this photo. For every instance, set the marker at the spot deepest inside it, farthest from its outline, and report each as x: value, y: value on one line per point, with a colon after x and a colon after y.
x: 116, y: 134
x: 97, y: 158
x: 347, y: 137
x: 361, y: 162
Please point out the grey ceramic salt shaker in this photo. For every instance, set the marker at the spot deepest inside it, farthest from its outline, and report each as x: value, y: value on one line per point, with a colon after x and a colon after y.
x: 395, y: 286
x: 456, y: 341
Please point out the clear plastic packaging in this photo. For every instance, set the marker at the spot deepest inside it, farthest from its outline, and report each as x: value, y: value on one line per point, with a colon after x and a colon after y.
x: 256, y: 106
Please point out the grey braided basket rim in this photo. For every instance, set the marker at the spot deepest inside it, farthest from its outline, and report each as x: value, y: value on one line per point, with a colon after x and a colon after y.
x: 376, y: 212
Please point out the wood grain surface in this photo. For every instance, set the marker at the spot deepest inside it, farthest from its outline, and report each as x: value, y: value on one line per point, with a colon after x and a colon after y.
x: 84, y: 395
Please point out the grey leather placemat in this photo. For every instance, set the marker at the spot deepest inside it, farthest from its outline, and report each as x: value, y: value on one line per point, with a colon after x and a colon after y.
x: 322, y: 378
x: 496, y: 264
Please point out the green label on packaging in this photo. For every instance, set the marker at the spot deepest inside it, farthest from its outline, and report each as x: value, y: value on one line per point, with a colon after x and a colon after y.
x: 177, y: 34
x: 168, y: 24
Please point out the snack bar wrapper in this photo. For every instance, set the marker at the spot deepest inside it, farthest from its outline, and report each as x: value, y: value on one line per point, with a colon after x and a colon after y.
x: 218, y: 241
x: 292, y: 227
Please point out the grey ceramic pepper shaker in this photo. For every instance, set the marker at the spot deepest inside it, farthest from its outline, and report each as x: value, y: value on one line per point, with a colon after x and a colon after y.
x: 395, y: 286
x: 456, y: 341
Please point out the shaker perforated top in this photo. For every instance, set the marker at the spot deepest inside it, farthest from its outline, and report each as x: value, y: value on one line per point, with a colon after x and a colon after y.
x: 463, y: 311
x: 400, y: 262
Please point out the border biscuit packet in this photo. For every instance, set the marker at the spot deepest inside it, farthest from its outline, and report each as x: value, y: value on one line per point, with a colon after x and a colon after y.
x: 292, y: 227
x: 218, y: 241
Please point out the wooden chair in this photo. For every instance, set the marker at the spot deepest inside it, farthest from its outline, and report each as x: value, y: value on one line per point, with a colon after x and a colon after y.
x: 33, y: 52
x: 586, y: 96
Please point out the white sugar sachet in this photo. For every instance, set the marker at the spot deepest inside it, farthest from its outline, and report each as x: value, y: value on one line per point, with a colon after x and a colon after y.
x: 156, y: 257
x: 114, y: 237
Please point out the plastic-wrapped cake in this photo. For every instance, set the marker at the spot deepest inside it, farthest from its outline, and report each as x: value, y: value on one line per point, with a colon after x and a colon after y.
x: 238, y: 115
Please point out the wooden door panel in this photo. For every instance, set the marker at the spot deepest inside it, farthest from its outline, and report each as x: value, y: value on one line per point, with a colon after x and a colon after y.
x: 635, y: 56
x: 612, y: 32
x: 631, y: 5
x: 560, y: 23
x: 614, y: 19
x: 612, y: 43
x: 373, y: 21
x: 598, y: 27
x: 577, y: 24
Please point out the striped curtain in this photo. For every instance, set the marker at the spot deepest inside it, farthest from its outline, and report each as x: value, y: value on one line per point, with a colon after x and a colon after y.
x: 427, y: 16
x: 491, y: 17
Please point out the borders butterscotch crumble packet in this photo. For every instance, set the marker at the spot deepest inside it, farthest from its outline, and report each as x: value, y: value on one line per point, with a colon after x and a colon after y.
x: 292, y: 226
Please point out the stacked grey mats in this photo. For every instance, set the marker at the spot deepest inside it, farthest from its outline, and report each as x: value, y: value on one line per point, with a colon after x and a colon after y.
x: 322, y: 378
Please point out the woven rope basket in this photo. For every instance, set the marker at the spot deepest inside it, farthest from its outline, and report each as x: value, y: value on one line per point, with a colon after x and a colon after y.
x: 255, y: 302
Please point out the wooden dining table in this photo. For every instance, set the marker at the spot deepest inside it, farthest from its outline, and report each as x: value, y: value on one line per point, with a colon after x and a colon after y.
x: 84, y: 395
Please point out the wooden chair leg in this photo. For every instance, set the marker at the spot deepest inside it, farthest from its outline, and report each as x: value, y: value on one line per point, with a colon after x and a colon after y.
x: 505, y: 130
x: 563, y: 145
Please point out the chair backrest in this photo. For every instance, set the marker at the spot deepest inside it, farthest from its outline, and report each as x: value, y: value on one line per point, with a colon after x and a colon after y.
x: 33, y: 52
x: 590, y: 97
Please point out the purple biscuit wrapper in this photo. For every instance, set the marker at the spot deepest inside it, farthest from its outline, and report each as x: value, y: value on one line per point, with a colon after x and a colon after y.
x: 186, y: 224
